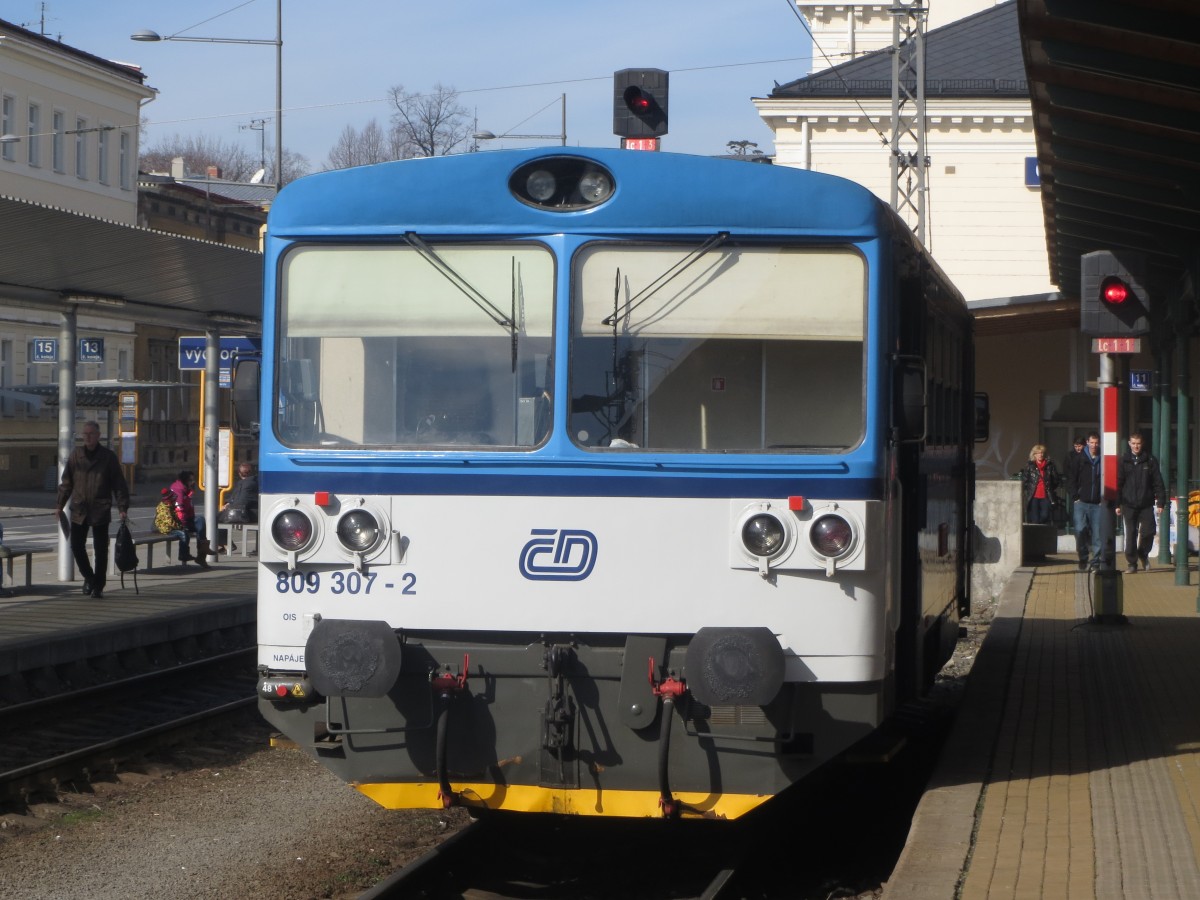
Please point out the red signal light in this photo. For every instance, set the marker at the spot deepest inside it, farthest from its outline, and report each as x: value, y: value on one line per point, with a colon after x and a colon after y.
x: 636, y: 100
x: 1114, y: 291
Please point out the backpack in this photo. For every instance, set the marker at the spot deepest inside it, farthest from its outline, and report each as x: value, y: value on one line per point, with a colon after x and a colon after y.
x: 125, y: 555
x: 164, y: 518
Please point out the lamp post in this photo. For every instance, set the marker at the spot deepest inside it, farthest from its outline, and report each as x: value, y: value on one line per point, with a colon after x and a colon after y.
x: 562, y: 136
x: 148, y: 35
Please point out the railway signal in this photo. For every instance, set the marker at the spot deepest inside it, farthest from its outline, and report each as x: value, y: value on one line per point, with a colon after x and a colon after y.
x: 640, y: 103
x: 1112, y: 295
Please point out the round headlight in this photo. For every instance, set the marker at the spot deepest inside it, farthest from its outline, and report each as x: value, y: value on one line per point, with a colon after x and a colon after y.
x: 292, y: 530
x: 763, y: 535
x: 595, y: 186
x: 541, y: 184
x: 358, y: 531
x: 831, y: 536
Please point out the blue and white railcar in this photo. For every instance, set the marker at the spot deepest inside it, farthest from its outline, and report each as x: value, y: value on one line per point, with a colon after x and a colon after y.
x: 602, y: 482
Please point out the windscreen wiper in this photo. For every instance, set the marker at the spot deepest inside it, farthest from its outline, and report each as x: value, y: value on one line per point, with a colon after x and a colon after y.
x: 492, y: 311
x: 662, y: 280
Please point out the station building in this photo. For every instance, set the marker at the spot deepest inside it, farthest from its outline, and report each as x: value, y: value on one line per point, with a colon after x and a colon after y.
x: 69, y: 150
x: 984, y: 221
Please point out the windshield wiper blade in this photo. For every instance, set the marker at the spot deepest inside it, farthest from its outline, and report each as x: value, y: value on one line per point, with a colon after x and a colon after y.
x: 665, y: 278
x: 492, y: 311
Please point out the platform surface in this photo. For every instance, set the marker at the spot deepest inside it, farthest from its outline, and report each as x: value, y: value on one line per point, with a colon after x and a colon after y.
x: 1073, y: 767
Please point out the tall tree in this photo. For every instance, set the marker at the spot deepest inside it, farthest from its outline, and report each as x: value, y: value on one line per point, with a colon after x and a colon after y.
x: 431, y: 124
x: 367, y: 147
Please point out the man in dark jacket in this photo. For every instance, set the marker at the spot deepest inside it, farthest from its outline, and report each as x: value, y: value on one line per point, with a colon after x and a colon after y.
x: 1085, y: 489
x: 92, y: 480
x: 1140, y: 489
x: 1083, y: 539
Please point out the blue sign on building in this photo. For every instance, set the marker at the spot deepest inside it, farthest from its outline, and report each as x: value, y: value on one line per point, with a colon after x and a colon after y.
x: 1032, y: 177
x: 1141, y: 380
x: 91, y: 350
x: 45, y: 350
x: 193, y: 354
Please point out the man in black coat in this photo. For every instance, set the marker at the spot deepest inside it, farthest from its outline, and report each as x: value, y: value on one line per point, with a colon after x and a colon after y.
x: 1088, y: 493
x: 1083, y: 539
x: 92, y: 480
x: 1140, y: 490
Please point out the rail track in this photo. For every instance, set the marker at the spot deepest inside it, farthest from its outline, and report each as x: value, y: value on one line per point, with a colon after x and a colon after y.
x: 71, y: 736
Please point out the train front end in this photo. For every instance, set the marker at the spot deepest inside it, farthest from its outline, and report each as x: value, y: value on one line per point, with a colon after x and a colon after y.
x: 576, y: 502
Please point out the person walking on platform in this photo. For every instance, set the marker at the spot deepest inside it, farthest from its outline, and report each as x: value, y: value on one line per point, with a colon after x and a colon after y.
x: 92, y: 480
x: 1083, y: 538
x: 1140, y: 490
x: 1039, y: 481
x: 1088, y: 493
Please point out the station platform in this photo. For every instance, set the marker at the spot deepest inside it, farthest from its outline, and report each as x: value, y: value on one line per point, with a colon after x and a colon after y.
x: 51, y: 633
x: 1073, y: 767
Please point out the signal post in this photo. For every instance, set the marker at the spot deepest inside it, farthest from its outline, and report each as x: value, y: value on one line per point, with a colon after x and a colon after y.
x: 640, y: 107
x: 1114, y: 311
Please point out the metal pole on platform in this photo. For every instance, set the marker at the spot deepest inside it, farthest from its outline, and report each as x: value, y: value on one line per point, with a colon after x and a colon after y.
x: 1183, y: 401
x: 66, y: 426
x: 1162, y: 445
x: 211, y: 423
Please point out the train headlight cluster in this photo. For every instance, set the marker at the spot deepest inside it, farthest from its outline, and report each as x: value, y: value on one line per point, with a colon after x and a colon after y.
x: 799, y: 534
x: 562, y: 183
x: 329, y: 529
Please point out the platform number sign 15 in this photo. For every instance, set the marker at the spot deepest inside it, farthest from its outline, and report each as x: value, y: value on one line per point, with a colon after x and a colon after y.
x: 45, y: 350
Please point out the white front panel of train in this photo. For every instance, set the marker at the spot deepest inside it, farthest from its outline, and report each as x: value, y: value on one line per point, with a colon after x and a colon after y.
x: 589, y: 564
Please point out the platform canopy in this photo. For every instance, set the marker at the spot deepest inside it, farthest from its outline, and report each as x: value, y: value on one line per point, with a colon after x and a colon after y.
x: 1115, y: 86
x: 52, y: 259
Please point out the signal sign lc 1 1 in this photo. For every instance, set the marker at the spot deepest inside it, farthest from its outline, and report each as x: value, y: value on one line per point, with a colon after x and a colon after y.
x: 1116, y: 345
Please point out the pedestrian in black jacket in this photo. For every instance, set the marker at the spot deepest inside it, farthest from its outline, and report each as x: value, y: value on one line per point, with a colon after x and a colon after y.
x: 92, y: 480
x: 1086, y: 490
x: 1140, y: 490
x: 1083, y: 539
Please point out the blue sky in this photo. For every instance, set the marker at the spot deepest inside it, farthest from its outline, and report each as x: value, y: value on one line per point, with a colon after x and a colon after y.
x: 508, y: 60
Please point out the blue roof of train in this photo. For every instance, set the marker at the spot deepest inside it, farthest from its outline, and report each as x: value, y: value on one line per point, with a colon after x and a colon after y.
x: 443, y: 193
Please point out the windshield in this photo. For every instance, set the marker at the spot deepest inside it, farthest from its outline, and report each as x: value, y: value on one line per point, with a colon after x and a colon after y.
x: 421, y: 344
x: 729, y: 349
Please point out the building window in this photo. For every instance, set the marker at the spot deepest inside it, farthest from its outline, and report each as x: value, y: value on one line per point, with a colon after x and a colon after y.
x: 33, y: 136
x: 8, y: 112
x: 59, y: 139
x: 81, y: 148
x: 102, y: 156
x: 125, y: 153
x: 6, y: 377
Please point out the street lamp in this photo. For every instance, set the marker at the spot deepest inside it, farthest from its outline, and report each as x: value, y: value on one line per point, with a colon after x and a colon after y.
x: 147, y: 35
x: 489, y: 136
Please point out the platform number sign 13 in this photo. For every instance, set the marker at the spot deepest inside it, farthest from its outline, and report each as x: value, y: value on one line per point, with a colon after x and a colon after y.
x: 91, y: 350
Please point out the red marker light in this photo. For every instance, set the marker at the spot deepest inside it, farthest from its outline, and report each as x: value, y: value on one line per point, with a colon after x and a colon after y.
x: 321, y: 498
x: 796, y: 504
x: 1114, y: 291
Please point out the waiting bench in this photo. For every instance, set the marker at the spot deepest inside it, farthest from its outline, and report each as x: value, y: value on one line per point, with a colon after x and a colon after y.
x: 246, y: 530
x: 8, y: 554
x: 147, y: 539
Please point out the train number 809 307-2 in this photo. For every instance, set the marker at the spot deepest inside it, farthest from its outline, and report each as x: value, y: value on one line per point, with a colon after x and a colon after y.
x: 339, y: 582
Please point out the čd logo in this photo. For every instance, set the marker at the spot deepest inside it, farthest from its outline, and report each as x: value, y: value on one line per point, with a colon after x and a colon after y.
x: 556, y: 554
